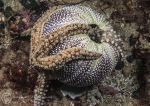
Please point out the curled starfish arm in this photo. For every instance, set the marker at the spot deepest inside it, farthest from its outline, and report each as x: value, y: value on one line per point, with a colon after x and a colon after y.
x: 50, y: 40
x: 41, y: 90
x: 58, y: 60
x: 47, y: 44
x: 57, y: 36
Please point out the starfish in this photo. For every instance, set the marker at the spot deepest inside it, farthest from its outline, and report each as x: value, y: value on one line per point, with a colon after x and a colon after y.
x: 76, y: 45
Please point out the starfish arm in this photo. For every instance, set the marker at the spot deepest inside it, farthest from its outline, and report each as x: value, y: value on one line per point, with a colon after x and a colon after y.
x: 41, y: 90
x: 48, y: 42
x: 58, y: 60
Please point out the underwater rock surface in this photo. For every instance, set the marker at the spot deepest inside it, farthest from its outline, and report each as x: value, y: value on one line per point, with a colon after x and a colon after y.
x: 130, y: 18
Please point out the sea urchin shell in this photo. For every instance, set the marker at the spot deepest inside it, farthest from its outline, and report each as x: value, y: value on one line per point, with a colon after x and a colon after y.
x: 76, y: 44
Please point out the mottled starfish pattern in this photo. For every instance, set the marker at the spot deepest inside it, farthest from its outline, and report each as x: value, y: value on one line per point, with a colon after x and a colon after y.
x: 76, y: 45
